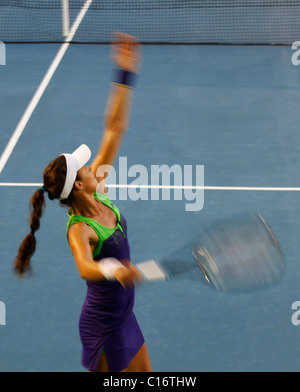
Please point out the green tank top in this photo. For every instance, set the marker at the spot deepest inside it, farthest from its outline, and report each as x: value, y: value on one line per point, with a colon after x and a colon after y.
x: 102, y: 231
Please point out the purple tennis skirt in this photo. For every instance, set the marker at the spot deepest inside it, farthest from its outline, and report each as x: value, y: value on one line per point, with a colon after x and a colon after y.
x: 107, y: 322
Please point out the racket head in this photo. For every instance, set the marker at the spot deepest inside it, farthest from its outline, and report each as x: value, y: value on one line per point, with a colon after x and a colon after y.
x: 240, y: 253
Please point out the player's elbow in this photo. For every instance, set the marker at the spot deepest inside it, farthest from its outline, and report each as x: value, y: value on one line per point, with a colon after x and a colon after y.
x: 83, y: 271
x: 83, y: 275
x: 88, y: 270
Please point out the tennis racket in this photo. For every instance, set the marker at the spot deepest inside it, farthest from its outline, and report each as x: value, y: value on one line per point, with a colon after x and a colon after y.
x: 232, y: 254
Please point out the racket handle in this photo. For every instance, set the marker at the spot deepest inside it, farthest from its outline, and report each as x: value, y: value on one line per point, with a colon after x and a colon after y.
x: 152, y: 270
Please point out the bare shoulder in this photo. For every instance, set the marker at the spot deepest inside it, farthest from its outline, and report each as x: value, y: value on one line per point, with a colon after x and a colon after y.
x: 82, y: 238
x: 80, y: 230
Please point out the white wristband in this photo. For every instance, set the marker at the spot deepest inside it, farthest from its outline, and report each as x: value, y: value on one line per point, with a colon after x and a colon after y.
x: 108, y: 266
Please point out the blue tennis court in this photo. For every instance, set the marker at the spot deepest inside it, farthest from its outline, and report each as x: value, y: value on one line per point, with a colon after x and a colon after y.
x: 232, y: 109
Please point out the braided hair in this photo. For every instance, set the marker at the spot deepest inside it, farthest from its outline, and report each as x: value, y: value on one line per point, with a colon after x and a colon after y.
x: 54, y: 178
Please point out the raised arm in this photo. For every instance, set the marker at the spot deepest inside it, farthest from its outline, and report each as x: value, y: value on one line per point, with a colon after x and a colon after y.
x: 126, y: 56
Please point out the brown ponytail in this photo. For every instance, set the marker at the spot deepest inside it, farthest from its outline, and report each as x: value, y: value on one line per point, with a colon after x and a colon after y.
x: 54, y: 180
x: 28, y: 246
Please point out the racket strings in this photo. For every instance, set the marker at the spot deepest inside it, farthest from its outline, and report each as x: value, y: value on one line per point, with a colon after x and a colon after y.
x: 239, y: 254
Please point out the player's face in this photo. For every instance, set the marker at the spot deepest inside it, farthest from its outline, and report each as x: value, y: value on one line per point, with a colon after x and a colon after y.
x: 88, y: 179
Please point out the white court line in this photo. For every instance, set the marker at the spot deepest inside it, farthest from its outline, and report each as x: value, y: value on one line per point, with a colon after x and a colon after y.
x: 217, y: 188
x: 42, y: 87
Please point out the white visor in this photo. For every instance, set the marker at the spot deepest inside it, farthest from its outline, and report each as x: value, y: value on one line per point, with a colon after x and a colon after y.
x: 74, y: 162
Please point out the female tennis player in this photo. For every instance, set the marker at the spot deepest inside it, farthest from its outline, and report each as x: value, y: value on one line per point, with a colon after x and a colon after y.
x: 97, y: 233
